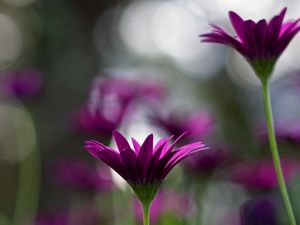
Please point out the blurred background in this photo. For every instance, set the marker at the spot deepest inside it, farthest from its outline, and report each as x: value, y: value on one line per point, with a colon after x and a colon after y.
x: 77, y: 70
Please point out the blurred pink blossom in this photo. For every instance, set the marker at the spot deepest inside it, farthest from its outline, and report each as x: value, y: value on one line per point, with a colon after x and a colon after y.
x: 80, y: 175
x: 260, y: 174
x: 24, y: 84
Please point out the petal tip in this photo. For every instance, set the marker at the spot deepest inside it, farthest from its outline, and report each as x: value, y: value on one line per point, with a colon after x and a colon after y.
x: 284, y: 9
x: 115, y: 132
x: 233, y: 15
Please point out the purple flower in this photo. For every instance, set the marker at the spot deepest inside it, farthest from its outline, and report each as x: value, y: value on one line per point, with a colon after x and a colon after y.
x: 107, y: 106
x: 261, y: 174
x: 84, y: 214
x: 24, y: 85
x: 79, y: 175
x: 207, y: 161
x: 286, y: 131
x: 99, y: 122
x: 195, y: 125
x: 260, y: 43
x: 167, y: 201
x: 87, y: 214
x: 144, y: 166
x: 112, y: 100
x: 151, y: 90
x: 259, y: 211
x: 297, y: 79
x: 105, y: 89
x: 56, y: 218
x: 124, y: 90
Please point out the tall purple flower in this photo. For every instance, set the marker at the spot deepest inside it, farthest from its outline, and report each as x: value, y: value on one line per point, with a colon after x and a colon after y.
x: 23, y: 84
x: 260, y: 43
x: 144, y: 166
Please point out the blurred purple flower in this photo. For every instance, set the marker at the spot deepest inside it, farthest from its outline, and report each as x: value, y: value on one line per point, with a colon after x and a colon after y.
x: 56, y: 218
x: 259, y: 211
x: 207, y: 161
x: 79, y: 175
x: 166, y: 202
x: 104, y: 89
x: 145, y: 167
x: 285, y: 132
x: 197, y: 125
x: 99, y: 122
x: 84, y: 214
x: 297, y: 79
x: 24, y: 84
x: 124, y: 90
x: 151, y: 90
x: 261, y: 174
x: 260, y: 43
x: 111, y: 101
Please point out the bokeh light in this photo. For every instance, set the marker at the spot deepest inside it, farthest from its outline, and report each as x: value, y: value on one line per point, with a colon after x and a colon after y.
x: 169, y: 29
x: 19, y: 3
x: 135, y: 28
x: 10, y: 41
x: 17, y: 134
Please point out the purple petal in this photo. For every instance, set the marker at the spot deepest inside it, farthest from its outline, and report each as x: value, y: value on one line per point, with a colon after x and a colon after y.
x: 162, y: 142
x: 173, y: 145
x: 156, y: 168
x: 120, y: 141
x: 180, y: 154
x: 286, y: 37
x: 112, y: 159
x: 238, y: 25
x: 145, y: 155
x: 129, y: 160
x: 288, y: 27
x: 250, y: 41
x: 218, y: 35
x: 186, y: 150
x: 160, y: 147
x: 93, y: 147
x: 136, y: 146
x: 275, y: 24
x: 261, y: 32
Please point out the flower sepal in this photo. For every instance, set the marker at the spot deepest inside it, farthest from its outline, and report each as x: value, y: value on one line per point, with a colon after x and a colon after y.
x: 263, y: 68
x: 145, y: 192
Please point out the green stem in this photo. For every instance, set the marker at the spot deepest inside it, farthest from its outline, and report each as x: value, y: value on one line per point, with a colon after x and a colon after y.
x: 275, y: 153
x: 28, y: 188
x: 146, y: 211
